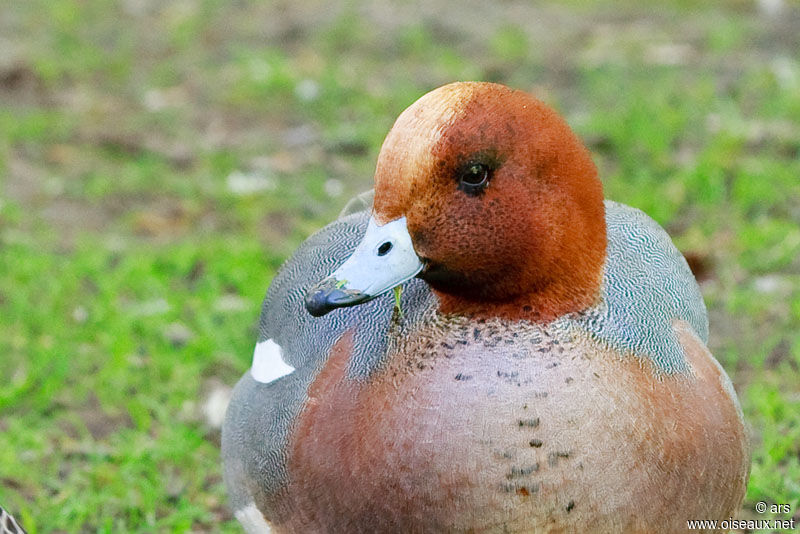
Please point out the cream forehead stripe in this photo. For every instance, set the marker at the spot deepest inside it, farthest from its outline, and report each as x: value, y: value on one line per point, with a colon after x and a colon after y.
x: 268, y: 362
x: 407, y: 150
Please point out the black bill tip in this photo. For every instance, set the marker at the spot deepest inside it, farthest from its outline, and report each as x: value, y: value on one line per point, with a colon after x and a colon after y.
x: 327, y: 296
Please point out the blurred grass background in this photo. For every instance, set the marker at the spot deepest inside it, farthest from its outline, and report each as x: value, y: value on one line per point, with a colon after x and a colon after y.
x: 158, y: 162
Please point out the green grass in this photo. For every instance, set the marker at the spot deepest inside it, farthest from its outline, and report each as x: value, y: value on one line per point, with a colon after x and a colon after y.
x: 131, y: 275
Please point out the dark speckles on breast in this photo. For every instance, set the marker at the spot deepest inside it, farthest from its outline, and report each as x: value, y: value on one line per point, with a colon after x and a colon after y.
x: 489, y: 344
x: 554, y: 457
x: 535, y: 443
x: 568, y: 379
x: 461, y: 377
x: 447, y: 345
x: 505, y: 454
x: 528, y: 423
x: 531, y: 489
x: 504, y: 374
x: 519, y: 472
x: 523, y: 490
x: 570, y: 506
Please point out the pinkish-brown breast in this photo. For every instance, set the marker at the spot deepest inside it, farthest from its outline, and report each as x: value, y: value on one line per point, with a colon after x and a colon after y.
x: 489, y: 429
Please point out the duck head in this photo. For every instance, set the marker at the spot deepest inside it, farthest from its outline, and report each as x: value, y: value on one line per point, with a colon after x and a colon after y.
x: 486, y: 194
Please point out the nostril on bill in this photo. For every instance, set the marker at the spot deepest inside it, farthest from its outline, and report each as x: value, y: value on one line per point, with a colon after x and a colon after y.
x: 384, y: 249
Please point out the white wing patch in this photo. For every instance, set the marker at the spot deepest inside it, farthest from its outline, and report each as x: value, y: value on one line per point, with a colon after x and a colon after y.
x: 252, y: 519
x: 268, y: 362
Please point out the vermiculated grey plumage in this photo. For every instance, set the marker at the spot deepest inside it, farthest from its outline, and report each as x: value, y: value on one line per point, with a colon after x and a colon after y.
x: 256, y: 427
x: 647, y: 285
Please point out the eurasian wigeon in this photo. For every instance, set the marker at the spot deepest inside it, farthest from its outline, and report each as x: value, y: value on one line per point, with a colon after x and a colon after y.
x: 540, y: 367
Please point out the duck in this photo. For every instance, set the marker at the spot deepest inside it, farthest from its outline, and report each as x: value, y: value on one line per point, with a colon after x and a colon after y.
x: 484, y: 344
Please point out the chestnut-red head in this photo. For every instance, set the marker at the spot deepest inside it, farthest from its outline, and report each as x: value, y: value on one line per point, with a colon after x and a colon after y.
x: 501, y: 201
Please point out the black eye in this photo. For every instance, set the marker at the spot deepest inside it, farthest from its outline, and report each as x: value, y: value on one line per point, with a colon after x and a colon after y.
x: 476, y: 174
x: 474, y: 178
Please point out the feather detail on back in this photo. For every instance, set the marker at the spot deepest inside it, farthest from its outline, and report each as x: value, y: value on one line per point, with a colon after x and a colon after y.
x: 647, y: 285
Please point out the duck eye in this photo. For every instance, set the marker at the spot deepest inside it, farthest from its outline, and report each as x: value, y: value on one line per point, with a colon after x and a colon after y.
x: 475, y: 174
x: 474, y: 178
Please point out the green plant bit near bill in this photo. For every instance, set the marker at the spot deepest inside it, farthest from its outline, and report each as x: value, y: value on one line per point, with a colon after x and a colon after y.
x: 398, y: 291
